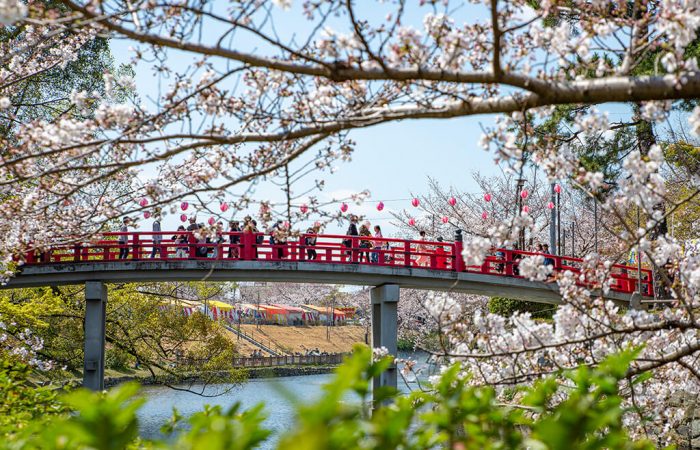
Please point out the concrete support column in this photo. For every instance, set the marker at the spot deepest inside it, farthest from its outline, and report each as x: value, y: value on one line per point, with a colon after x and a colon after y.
x: 95, y: 307
x: 385, y: 300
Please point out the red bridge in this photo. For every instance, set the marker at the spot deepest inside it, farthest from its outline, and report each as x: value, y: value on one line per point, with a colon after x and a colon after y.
x: 123, y: 248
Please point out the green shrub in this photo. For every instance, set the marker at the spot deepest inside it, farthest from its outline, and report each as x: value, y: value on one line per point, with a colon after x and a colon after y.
x: 22, y: 402
x: 118, y: 359
x: 406, y: 344
x: 507, y: 307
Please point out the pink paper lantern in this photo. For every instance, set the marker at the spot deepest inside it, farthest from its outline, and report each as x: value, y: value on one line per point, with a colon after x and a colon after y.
x: 344, y: 207
x: 524, y: 194
x: 146, y: 215
x: 184, y: 206
x: 183, y: 217
x: 445, y: 219
x: 412, y: 221
x: 550, y: 205
x: 484, y: 215
x: 526, y: 209
x: 211, y: 221
x: 487, y: 197
x: 557, y: 188
x: 304, y: 208
x: 224, y: 207
x: 143, y: 202
x: 415, y: 202
x: 380, y: 206
x: 452, y: 201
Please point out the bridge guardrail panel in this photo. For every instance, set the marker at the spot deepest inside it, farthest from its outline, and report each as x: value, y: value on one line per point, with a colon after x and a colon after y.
x: 329, y: 249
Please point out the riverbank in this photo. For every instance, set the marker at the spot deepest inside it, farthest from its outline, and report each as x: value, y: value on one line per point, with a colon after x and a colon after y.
x: 300, y: 339
x: 238, y: 375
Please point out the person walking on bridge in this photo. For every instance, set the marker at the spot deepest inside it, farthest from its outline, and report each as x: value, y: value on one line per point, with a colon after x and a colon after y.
x: 234, y: 239
x: 181, y: 239
x: 352, y: 231
x: 310, y: 243
x: 193, y: 226
x: 124, y: 238
x: 365, y: 243
x: 157, y: 237
x: 377, y: 244
x: 423, y: 259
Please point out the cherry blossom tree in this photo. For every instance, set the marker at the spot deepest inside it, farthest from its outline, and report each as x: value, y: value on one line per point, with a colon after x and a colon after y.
x: 476, y: 216
x: 258, y: 97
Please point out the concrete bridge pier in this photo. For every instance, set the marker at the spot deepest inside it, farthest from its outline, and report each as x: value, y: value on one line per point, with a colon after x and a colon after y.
x: 385, y: 300
x: 95, y: 309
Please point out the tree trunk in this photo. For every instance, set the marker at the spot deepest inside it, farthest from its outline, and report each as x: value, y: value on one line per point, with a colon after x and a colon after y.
x: 646, y: 138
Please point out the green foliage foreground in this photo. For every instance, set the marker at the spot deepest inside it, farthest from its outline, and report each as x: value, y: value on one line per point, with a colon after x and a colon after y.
x: 581, y: 409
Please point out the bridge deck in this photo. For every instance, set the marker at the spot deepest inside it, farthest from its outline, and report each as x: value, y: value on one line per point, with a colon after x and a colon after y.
x: 324, y: 259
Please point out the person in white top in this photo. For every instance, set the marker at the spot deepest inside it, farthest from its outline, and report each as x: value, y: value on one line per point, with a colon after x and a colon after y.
x: 423, y: 259
x: 377, y: 244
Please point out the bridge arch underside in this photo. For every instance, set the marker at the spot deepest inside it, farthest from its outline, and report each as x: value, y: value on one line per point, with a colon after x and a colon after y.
x: 292, y: 272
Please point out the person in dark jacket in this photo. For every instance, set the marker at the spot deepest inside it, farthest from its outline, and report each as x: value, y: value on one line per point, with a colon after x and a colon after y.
x: 234, y: 239
x: 157, y: 237
x: 352, y: 231
x: 365, y: 243
x: 310, y: 243
x: 181, y: 239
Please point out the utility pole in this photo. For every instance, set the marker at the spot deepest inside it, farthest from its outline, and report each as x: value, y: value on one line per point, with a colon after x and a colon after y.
x: 560, y: 248
x: 521, y: 234
x: 331, y: 318
x: 552, y: 224
x: 238, y: 313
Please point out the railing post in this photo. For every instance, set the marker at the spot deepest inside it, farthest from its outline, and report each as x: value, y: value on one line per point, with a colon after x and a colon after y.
x: 192, y: 241
x: 76, y: 252
x: 458, y: 248
x: 407, y: 253
x: 246, y: 249
x: 508, y: 262
x: 301, y: 255
x: 136, y: 247
x: 354, y: 242
x: 30, y: 256
x: 486, y: 265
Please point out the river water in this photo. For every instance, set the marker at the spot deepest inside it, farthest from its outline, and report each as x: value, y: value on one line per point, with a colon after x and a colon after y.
x: 276, y: 393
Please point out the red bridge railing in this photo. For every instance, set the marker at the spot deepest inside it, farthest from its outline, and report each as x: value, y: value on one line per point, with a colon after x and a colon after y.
x: 335, y: 249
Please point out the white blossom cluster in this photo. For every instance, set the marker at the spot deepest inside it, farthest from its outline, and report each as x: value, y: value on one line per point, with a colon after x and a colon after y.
x: 534, y: 268
x: 22, y: 345
x: 11, y: 11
